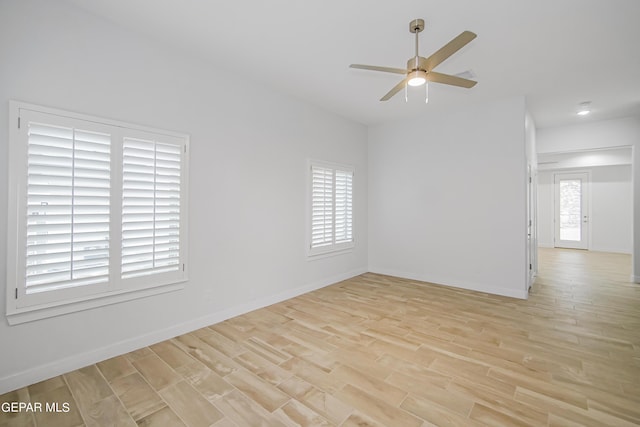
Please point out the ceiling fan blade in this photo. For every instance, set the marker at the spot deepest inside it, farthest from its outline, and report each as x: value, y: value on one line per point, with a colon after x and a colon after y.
x: 448, y: 79
x: 395, y: 90
x: 376, y: 68
x: 449, y: 49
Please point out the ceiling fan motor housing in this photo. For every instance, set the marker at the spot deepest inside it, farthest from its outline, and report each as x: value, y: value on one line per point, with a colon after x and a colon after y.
x: 417, y: 63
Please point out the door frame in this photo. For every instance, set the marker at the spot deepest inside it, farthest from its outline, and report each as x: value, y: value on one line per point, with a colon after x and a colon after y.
x: 532, y: 225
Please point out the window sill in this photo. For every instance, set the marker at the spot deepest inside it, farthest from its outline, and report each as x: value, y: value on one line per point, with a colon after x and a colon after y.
x: 312, y: 256
x: 17, y: 316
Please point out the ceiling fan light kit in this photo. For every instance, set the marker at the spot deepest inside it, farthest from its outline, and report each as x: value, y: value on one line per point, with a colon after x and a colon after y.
x: 417, y: 78
x: 426, y: 90
x: 419, y: 70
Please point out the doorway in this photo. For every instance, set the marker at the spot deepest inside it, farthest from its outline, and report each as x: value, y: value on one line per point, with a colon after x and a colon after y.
x: 571, y: 208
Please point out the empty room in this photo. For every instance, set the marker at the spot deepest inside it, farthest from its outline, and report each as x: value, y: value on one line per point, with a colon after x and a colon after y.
x: 411, y: 213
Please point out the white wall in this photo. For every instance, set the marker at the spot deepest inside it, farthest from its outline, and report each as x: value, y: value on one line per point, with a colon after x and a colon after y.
x: 610, y: 220
x: 611, y: 205
x: 601, y: 134
x: 447, y: 198
x: 249, y: 151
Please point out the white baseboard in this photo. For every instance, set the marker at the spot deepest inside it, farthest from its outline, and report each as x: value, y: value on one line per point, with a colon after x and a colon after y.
x: 513, y: 293
x: 611, y: 250
x: 635, y: 279
x: 59, y: 367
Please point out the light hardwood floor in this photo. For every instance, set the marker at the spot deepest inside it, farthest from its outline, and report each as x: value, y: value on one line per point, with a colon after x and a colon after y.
x: 376, y: 350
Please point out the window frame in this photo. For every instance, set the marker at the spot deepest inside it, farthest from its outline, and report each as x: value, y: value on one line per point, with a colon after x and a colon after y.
x: 332, y: 248
x: 21, y: 307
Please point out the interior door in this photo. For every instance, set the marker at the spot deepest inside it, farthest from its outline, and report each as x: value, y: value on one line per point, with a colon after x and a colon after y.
x: 572, y: 210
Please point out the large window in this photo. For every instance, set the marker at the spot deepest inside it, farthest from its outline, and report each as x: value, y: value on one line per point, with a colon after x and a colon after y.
x: 331, y: 216
x: 97, y: 212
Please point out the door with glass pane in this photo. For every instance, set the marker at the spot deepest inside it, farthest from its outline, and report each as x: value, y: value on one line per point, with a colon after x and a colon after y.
x: 572, y: 210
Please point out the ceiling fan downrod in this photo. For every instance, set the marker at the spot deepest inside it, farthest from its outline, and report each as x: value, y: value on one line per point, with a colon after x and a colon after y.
x: 416, y: 26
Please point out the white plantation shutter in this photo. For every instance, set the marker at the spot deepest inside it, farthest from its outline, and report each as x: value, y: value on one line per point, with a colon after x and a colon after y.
x: 321, y: 206
x: 331, y: 208
x: 97, y: 215
x: 67, y: 223
x: 150, y: 207
x: 344, y: 206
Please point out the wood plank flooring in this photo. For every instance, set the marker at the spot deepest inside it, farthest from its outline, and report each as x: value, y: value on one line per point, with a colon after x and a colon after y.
x: 381, y: 351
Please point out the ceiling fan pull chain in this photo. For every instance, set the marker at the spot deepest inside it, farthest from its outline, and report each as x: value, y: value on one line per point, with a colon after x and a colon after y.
x: 426, y: 93
x: 406, y: 94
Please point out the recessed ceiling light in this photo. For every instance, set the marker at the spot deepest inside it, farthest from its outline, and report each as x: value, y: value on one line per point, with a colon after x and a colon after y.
x: 584, y: 108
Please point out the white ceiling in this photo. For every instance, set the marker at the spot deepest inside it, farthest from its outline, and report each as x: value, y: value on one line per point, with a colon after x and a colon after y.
x: 557, y: 53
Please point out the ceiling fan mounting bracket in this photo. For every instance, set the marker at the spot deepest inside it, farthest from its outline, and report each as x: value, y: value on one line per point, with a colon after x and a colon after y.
x: 416, y: 26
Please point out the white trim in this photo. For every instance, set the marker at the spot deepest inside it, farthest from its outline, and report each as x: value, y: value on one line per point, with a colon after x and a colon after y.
x: 31, y: 313
x: 21, y: 307
x: 635, y: 279
x: 584, y: 243
x: 334, y: 248
x: 15, y: 105
x: 586, y: 150
x: 610, y: 249
x: 331, y: 253
x: 59, y: 367
x: 478, y: 287
x: 330, y: 250
x: 13, y: 182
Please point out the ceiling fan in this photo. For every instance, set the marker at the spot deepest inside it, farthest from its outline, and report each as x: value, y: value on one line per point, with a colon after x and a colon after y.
x: 420, y: 70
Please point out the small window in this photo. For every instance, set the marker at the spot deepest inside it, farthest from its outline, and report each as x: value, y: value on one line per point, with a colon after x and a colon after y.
x: 331, y: 218
x: 98, y: 212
